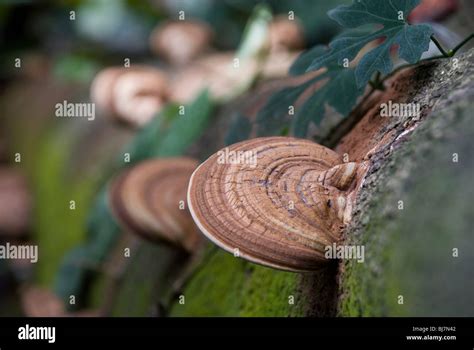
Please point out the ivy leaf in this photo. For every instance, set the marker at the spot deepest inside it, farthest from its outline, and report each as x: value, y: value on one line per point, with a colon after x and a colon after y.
x: 147, y: 141
x: 340, y: 92
x: 72, y: 275
x: 274, y: 116
x: 186, y: 129
x: 239, y: 130
x: 301, y: 64
x: 170, y: 134
x: 412, y: 40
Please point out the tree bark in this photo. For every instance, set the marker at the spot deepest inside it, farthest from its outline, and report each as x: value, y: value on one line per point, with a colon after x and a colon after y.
x: 413, y: 216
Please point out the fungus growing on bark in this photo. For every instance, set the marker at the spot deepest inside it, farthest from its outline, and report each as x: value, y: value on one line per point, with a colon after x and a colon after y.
x: 275, y: 201
x: 149, y: 199
x: 179, y: 42
x: 130, y: 95
x: 41, y: 302
x: 286, y: 34
x: 226, y: 76
x: 433, y: 10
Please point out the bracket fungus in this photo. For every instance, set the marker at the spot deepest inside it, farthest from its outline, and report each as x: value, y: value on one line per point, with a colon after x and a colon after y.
x: 131, y: 95
x: 276, y: 201
x: 179, y: 42
x: 41, y: 302
x: 225, y: 76
x: 102, y: 89
x: 149, y: 199
x: 217, y: 72
x: 286, y: 34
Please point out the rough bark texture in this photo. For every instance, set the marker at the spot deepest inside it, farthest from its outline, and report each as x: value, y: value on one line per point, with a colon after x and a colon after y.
x: 415, y: 208
x: 408, y: 252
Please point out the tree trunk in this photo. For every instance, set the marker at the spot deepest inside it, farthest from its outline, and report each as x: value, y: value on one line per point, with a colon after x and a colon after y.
x: 413, y: 216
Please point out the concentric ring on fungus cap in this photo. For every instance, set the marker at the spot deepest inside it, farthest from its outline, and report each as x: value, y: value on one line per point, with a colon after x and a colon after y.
x: 146, y: 199
x: 281, y: 211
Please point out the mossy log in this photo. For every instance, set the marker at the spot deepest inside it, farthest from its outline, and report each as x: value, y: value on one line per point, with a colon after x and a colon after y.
x: 413, y: 216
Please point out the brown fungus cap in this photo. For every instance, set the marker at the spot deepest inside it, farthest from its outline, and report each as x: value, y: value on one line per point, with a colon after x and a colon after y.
x: 102, y: 89
x: 217, y: 72
x: 286, y: 34
x: 149, y: 199
x: 139, y: 94
x: 278, y: 200
x: 41, y: 302
x: 433, y: 11
x: 130, y: 95
x: 225, y: 79
x: 179, y: 42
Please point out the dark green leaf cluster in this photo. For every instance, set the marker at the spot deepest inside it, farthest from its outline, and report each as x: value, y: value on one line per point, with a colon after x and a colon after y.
x: 367, y: 21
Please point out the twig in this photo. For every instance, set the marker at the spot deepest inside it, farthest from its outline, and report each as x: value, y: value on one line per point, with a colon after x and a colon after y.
x: 462, y: 43
x: 440, y: 47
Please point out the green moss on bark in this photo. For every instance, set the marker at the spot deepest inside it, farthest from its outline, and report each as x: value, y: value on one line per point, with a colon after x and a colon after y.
x: 411, y: 267
x: 228, y: 286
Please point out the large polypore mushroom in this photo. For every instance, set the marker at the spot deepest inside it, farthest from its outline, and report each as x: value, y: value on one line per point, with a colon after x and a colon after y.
x: 179, y: 42
x: 132, y: 95
x: 275, y: 201
x: 150, y: 200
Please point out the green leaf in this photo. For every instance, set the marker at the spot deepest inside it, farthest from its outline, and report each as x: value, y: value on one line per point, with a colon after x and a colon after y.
x: 72, y: 275
x: 239, y: 130
x: 147, y: 141
x: 187, y: 128
x: 170, y: 133
x: 274, y: 116
x: 304, y: 60
x: 412, y: 40
x: 340, y: 92
x: 102, y: 229
x: 367, y: 20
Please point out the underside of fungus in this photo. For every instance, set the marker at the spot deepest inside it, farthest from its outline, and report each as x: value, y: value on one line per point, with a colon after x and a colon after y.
x: 149, y: 200
x: 275, y: 201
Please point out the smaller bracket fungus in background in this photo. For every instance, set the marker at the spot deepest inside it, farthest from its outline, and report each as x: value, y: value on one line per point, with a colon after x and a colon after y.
x: 223, y: 77
x: 41, y: 302
x: 149, y: 199
x: 217, y: 72
x: 282, y: 208
x: 102, y: 89
x: 131, y: 95
x: 179, y: 42
x: 15, y: 203
x: 286, y: 34
x: 433, y: 11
